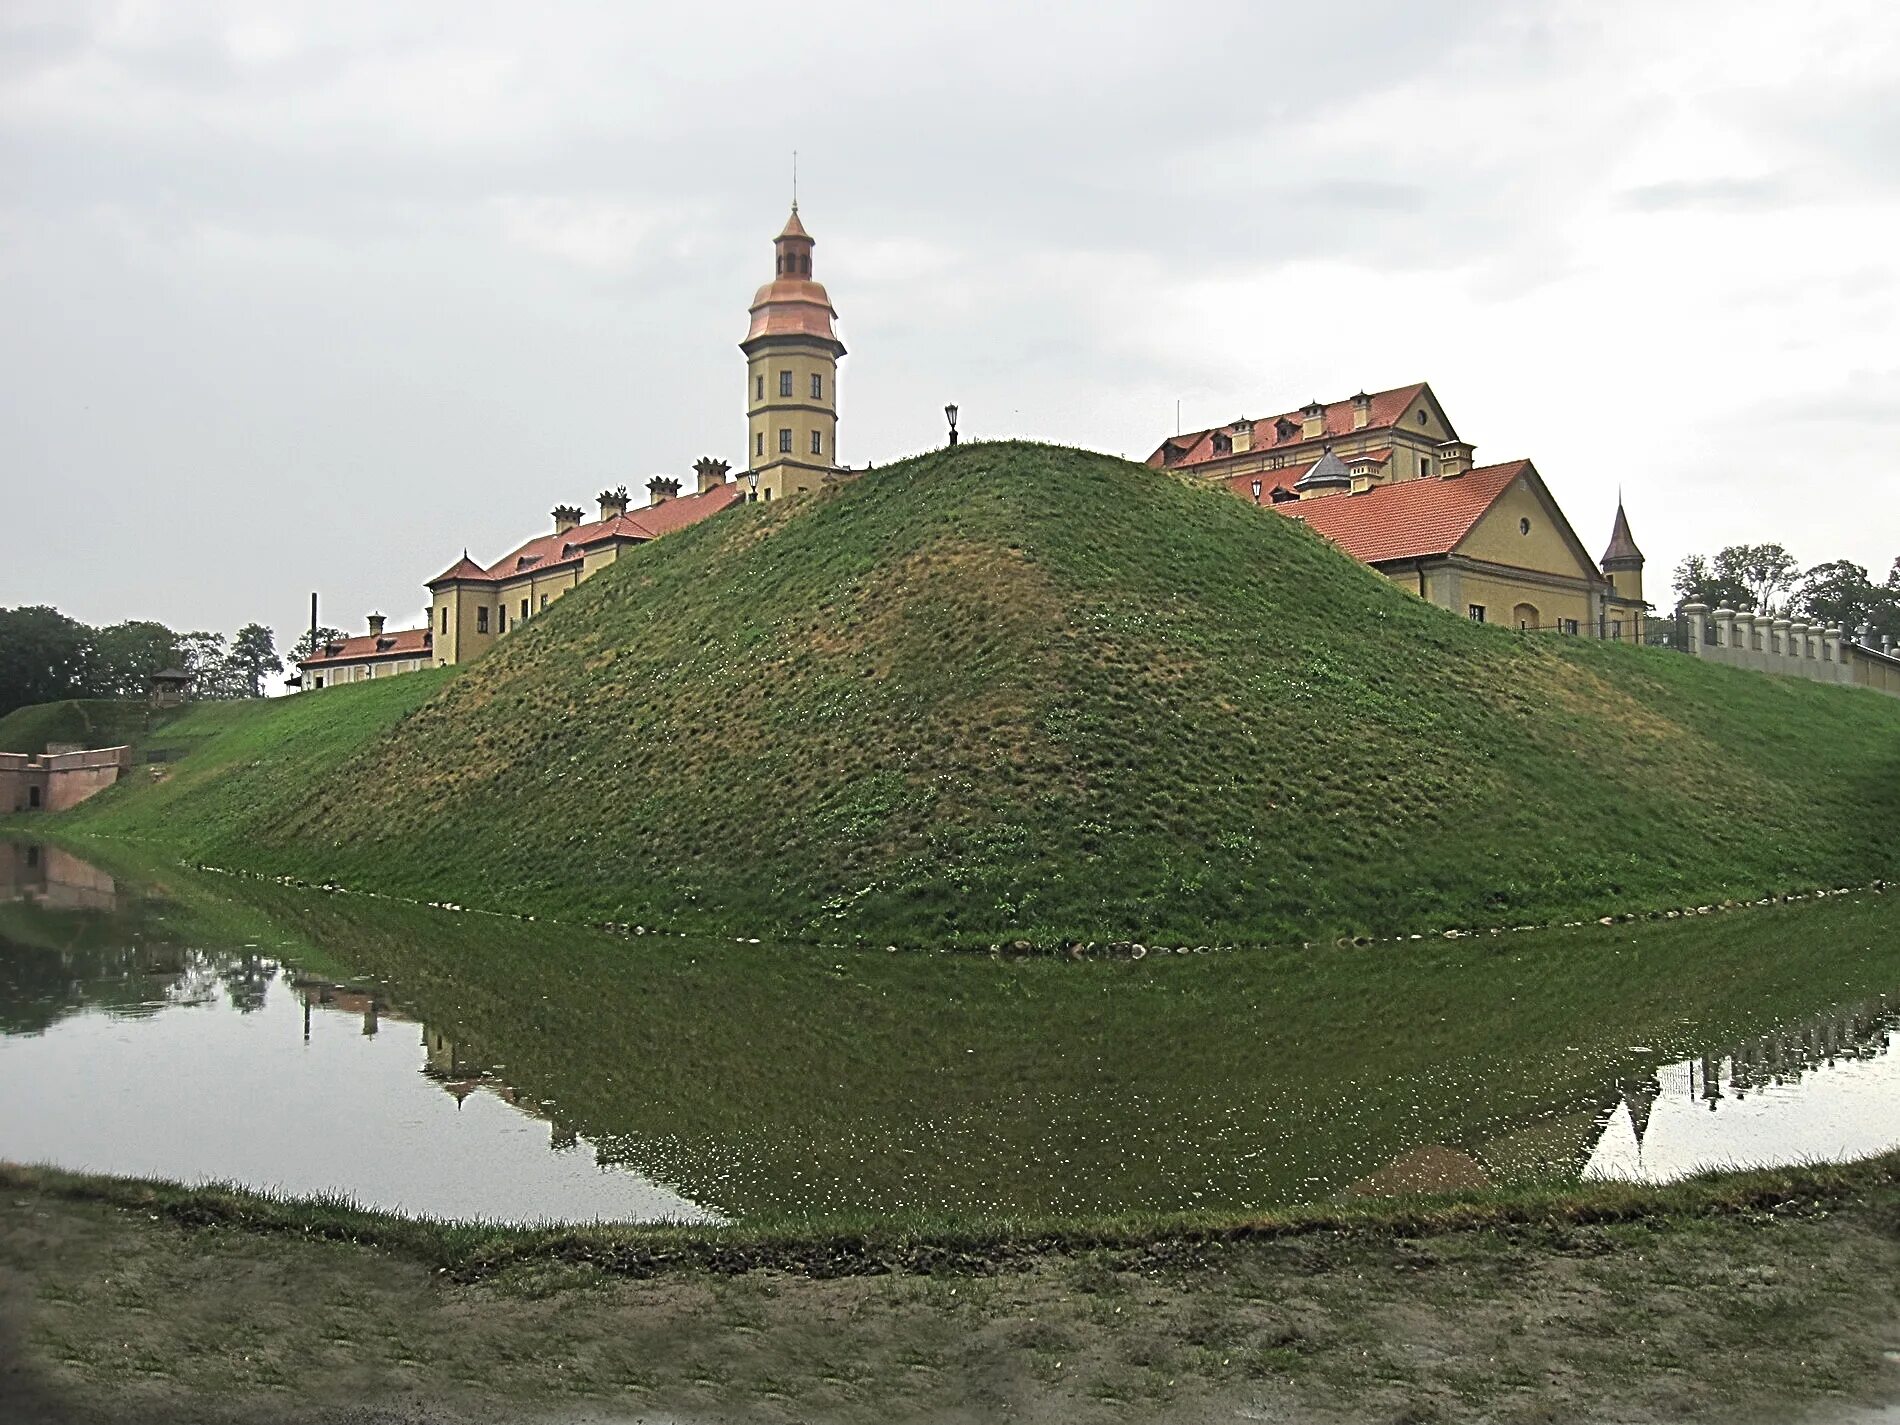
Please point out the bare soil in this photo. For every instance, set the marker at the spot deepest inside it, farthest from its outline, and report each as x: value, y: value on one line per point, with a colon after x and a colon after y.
x: 111, y: 1315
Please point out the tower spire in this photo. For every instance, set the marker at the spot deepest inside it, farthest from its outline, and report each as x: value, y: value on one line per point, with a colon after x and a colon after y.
x: 794, y: 180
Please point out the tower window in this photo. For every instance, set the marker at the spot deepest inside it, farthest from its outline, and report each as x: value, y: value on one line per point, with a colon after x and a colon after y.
x: 758, y: 443
x: 445, y: 618
x: 524, y: 608
x: 1524, y: 526
x: 758, y: 388
x: 785, y: 439
x: 481, y: 619
x: 817, y: 386
x: 1475, y: 613
x: 785, y: 383
x: 1424, y: 465
x: 817, y: 443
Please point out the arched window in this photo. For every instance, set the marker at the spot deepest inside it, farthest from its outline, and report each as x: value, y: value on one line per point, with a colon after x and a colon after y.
x: 1525, y: 616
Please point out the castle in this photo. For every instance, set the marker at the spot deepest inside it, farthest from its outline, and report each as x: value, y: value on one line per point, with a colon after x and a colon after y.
x: 792, y: 356
x: 1386, y: 478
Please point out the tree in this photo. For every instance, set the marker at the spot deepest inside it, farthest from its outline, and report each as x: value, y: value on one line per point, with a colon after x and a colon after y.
x: 1768, y: 570
x: 205, y: 657
x: 305, y: 644
x: 126, y: 655
x: 44, y: 657
x: 252, y: 659
x: 1745, y: 577
x: 1839, y: 594
x: 1698, y: 582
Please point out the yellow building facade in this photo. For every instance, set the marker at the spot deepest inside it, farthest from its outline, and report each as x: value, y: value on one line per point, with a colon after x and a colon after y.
x: 792, y: 356
x: 1387, y: 478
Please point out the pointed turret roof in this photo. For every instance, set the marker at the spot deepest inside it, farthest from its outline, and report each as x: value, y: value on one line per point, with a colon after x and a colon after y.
x: 463, y: 568
x: 1328, y: 470
x: 1622, y: 548
x: 793, y: 228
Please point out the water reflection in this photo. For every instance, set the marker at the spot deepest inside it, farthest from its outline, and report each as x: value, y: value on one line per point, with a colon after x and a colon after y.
x: 1819, y: 1088
x: 434, y: 1060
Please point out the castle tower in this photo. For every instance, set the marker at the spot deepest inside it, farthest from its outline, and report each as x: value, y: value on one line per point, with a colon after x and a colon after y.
x: 791, y: 374
x: 1623, y: 561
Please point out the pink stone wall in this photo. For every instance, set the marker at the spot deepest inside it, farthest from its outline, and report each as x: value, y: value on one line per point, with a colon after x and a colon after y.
x: 71, y: 777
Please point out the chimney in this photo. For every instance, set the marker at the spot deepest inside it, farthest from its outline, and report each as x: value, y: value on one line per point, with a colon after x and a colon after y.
x: 376, y: 622
x: 566, y: 517
x: 1313, y: 421
x: 711, y: 473
x: 1243, y: 435
x: 1361, y: 411
x: 1454, y: 457
x: 613, y: 503
x: 660, y: 490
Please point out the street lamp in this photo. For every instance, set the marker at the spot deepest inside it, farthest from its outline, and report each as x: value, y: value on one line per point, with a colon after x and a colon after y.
x: 1256, y: 492
x: 950, y: 414
x: 752, y: 480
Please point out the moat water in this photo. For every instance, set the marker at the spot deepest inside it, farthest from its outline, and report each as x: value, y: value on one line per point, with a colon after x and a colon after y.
x: 205, y: 1028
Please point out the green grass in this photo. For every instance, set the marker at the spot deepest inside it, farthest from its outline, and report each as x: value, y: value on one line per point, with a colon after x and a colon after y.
x: 1018, y: 691
x: 89, y: 722
x: 472, y: 1250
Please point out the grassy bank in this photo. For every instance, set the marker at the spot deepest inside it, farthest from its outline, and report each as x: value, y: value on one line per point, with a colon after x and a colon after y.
x: 1014, y: 691
x: 85, y: 722
x: 883, y: 1242
x: 1749, y: 1298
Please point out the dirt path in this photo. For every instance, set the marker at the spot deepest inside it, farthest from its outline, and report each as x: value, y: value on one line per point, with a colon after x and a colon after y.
x: 107, y: 1315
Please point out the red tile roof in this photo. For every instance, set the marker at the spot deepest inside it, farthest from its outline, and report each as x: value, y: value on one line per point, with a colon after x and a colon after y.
x: 1198, y: 446
x: 563, y: 550
x: 1407, y: 520
x: 404, y: 643
x: 463, y: 568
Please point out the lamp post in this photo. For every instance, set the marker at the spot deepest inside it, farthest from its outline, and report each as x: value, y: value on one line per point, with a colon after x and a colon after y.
x: 752, y: 481
x: 950, y: 414
x: 1256, y: 492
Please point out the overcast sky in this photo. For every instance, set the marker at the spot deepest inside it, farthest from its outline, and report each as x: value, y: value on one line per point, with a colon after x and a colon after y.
x: 311, y: 296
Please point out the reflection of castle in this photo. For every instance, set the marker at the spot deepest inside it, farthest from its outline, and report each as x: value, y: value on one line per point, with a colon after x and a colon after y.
x: 47, y: 876
x: 454, y: 1063
x: 1848, y: 1032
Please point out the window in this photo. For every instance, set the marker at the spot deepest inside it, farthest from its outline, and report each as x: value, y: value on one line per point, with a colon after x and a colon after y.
x: 1476, y: 613
x: 1524, y: 526
x: 501, y: 618
x: 1568, y: 625
x: 544, y: 601
x: 817, y: 386
x: 524, y: 608
x: 32, y: 796
x: 785, y: 383
x: 817, y: 443
x: 1616, y: 629
x: 481, y: 619
x: 319, y: 680
x: 1424, y: 465
x: 758, y: 444
x: 445, y: 618
x: 1423, y: 419
x: 758, y: 388
x: 785, y: 439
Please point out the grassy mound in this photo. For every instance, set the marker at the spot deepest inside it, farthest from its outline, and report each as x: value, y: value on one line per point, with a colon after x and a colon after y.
x: 89, y: 722
x: 1021, y: 691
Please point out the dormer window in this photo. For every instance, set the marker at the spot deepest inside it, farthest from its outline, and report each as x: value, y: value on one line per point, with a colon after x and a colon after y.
x: 1223, y: 443
x: 1284, y: 428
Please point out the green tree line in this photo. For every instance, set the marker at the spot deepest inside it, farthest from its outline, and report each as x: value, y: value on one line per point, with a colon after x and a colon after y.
x: 45, y: 656
x: 1766, y: 578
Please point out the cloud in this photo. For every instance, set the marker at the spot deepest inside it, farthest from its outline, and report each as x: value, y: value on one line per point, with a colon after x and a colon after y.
x: 1724, y: 195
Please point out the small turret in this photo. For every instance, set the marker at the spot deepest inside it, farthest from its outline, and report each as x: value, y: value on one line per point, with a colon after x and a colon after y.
x: 566, y: 517
x: 1329, y: 473
x: 614, y: 502
x: 1623, y: 561
x: 712, y: 473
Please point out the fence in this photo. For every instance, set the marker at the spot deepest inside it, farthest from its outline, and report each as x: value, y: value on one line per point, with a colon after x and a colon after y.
x: 1789, y: 647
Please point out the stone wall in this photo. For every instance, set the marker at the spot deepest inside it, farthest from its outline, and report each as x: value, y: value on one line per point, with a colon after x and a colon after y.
x: 59, y: 781
x: 1790, y: 648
